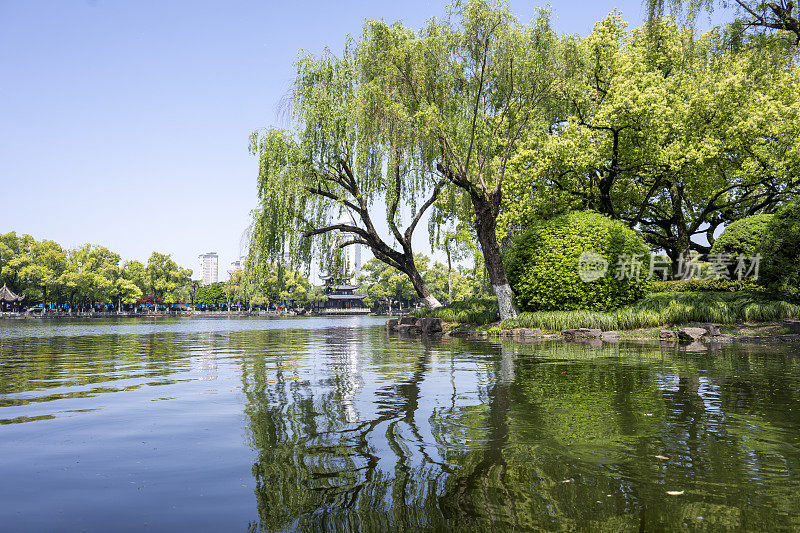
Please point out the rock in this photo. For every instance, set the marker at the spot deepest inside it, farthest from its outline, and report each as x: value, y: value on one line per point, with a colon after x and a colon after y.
x: 666, y: 334
x: 692, y: 334
x: 712, y: 329
x: 582, y: 333
x: 610, y: 336
x: 590, y: 342
x: 408, y: 329
x: 430, y: 325
x: 408, y: 320
x: 530, y: 332
x: 479, y: 334
x: 792, y: 325
x: 391, y: 324
x: 696, y: 346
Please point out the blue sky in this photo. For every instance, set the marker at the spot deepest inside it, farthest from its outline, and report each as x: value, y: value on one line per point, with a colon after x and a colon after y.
x: 126, y: 124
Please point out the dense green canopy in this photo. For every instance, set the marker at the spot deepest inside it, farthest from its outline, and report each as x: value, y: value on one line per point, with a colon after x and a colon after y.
x: 674, y: 135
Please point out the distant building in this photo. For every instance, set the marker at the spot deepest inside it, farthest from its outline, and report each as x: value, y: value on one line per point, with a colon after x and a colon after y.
x: 238, y: 265
x: 354, y: 258
x: 209, y: 266
x: 341, y: 298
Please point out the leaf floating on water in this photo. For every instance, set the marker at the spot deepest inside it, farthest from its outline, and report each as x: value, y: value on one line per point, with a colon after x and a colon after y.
x: 675, y: 492
x: 664, y: 457
x: 648, y: 414
x: 567, y: 481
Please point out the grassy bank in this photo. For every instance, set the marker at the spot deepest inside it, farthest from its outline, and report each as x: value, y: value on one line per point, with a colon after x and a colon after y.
x: 478, y: 311
x: 657, y: 309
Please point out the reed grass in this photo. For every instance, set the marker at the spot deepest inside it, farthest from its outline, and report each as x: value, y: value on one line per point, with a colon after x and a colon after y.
x: 662, y: 309
x: 474, y: 311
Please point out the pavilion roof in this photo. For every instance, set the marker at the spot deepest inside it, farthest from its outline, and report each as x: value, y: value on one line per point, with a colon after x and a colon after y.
x: 346, y: 296
x: 7, y: 296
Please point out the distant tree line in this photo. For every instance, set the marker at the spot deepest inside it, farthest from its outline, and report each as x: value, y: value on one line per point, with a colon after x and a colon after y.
x: 44, y: 272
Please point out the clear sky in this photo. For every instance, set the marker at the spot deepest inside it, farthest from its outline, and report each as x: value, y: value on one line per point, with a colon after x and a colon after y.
x: 126, y: 124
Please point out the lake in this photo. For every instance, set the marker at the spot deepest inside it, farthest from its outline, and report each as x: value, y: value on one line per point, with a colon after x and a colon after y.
x: 332, y: 424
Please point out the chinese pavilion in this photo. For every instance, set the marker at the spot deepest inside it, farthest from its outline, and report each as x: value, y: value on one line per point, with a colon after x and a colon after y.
x: 341, y: 298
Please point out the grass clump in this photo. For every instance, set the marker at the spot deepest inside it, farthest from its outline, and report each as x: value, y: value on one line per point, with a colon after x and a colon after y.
x: 666, y: 309
x: 702, y: 285
x: 478, y: 311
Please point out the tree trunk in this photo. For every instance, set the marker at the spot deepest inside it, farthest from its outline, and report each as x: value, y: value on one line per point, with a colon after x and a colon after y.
x: 424, y: 294
x: 486, y: 210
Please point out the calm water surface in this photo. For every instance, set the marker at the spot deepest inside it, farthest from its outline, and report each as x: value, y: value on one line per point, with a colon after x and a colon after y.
x: 330, y: 424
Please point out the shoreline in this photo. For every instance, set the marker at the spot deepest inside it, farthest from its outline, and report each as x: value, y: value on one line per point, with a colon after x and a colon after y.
x: 183, y: 314
x: 691, y: 334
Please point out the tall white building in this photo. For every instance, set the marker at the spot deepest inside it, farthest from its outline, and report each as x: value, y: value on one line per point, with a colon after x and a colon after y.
x: 354, y: 260
x: 209, y: 266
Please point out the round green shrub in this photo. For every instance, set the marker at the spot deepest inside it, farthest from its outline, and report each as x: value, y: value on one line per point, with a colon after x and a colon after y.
x: 542, y: 264
x: 780, y: 253
x: 743, y: 237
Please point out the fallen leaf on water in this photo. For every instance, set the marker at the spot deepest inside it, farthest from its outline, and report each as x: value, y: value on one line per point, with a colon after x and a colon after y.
x: 567, y: 481
x: 648, y: 414
x: 662, y: 457
x: 675, y: 492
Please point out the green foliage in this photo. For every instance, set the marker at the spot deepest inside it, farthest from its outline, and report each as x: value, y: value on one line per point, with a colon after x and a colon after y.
x: 542, y: 264
x: 743, y: 237
x: 781, y: 20
x: 165, y: 279
x: 672, y: 134
x: 477, y: 311
x: 701, y: 285
x: 44, y: 272
x: 666, y: 309
x: 780, y: 270
x: 382, y: 282
x: 262, y: 283
x: 466, y: 283
x: 213, y: 294
x: 400, y: 116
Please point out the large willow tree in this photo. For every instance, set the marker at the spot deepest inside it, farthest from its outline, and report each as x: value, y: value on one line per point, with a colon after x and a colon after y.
x: 322, y: 184
x: 402, y: 115
x: 476, y: 83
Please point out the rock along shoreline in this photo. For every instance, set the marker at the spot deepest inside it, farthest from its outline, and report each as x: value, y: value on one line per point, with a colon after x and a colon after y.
x: 692, y: 336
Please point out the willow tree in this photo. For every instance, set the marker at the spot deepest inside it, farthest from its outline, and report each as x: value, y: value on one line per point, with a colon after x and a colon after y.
x: 402, y: 115
x: 347, y: 161
x: 473, y: 84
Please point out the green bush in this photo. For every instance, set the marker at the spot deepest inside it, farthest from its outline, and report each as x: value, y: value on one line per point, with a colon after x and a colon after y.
x: 780, y: 264
x: 542, y: 264
x: 701, y: 285
x: 743, y: 236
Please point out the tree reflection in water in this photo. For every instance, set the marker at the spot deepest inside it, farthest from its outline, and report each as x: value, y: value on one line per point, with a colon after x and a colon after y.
x: 356, y: 431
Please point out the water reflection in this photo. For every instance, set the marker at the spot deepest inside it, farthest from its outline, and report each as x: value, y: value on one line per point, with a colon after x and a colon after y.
x: 516, y: 437
x: 333, y: 425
